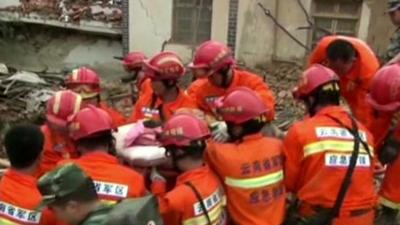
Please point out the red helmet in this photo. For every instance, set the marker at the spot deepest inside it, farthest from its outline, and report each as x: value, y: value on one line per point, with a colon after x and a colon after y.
x: 183, y: 128
x: 61, y: 107
x: 133, y: 60
x: 165, y: 66
x: 212, y: 56
x: 312, y: 79
x: 240, y: 105
x: 385, y: 89
x: 88, y: 122
x: 84, y: 81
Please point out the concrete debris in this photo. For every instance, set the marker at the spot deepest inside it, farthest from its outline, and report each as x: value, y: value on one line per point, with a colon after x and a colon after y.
x: 27, y: 77
x: 72, y: 11
x: 23, y: 96
x: 4, y: 69
x: 282, y: 78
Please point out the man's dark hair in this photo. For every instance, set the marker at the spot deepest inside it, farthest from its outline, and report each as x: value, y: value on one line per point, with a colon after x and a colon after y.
x: 324, y: 97
x: 98, y: 141
x: 24, y: 145
x: 341, y: 49
x: 85, y: 193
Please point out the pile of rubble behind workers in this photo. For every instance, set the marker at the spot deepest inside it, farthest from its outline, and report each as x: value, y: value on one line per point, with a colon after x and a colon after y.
x: 72, y: 10
x: 23, y: 95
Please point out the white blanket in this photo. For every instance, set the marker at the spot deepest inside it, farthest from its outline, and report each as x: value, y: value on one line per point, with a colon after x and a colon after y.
x: 143, y: 156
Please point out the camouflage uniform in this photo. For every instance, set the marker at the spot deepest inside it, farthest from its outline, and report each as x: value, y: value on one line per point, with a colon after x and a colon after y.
x: 66, y: 180
x: 394, y: 46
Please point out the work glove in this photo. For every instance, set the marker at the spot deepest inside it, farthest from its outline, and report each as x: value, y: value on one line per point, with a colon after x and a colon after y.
x: 219, y: 131
x: 156, y: 176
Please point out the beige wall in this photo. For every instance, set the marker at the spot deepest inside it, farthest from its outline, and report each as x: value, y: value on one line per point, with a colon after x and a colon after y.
x: 292, y: 17
x: 258, y: 40
x: 255, y: 35
x: 151, y: 25
x: 380, y: 29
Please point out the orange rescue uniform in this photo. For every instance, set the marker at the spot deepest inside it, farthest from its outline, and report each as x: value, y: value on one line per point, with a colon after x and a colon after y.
x: 354, y: 86
x: 253, y: 177
x: 149, y: 106
x: 19, y: 198
x: 379, y: 128
x: 113, y: 181
x: 205, y: 94
x: 389, y: 194
x: 56, y: 148
x: 181, y: 206
x: 118, y: 118
x: 318, y: 151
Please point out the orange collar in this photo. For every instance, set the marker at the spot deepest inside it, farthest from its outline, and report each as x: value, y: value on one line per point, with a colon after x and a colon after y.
x: 192, y: 175
x: 99, y: 156
x: 252, y: 137
x: 330, y: 110
x: 24, y: 179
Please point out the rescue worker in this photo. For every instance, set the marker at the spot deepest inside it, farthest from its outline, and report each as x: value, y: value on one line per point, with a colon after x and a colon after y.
x: 85, y: 82
x: 19, y: 195
x: 57, y: 143
x: 250, y: 164
x: 133, y: 64
x: 164, y: 70
x: 214, y: 66
x: 318, y: 152
x: 91, y: 130
x: 71, y: 195
x: 198, y: 196
x: 121, y: 100
x: 355, y: 64
x: 394, y: 46
x: 385, y: 99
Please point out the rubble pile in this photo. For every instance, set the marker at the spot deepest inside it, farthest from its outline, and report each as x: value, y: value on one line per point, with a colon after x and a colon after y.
x: 72, y: 10
x: 282, y: 78
x: 23, y: 95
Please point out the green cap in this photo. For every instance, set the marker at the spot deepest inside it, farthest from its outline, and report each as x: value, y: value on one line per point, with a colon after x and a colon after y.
x: 393, y: 5
x: 61, y: 182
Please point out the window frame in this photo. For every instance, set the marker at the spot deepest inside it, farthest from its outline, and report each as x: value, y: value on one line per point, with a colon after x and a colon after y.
x: 334, y: 17
x: 194, y: 21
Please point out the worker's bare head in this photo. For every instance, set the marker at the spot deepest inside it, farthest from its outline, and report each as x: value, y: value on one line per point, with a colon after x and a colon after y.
x: 24, y: 146
x: 341, y: 56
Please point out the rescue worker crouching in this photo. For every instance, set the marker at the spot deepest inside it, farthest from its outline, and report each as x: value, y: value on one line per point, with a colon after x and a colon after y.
x: 71, y: 195
x: 318, y: 152
x: 198, y: 196
x: 356, y: 64
x: 19, y: 195
x: 250, y: 165
x: 214, y: 67
x: 91, y: 130
x: 164, y: 70
x: 58, y: 144
x: 385, y: 99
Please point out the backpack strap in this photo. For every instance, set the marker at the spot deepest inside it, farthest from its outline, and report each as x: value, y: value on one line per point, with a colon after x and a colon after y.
x: 200, y: 199
x: 350, y: 170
